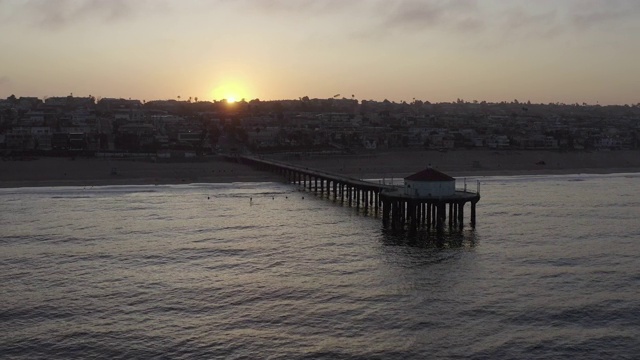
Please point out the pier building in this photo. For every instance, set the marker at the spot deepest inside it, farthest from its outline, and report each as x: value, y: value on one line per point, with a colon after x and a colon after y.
x: 424, y: 199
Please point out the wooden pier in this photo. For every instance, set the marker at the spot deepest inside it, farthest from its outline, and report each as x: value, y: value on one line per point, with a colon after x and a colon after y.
x: 399, y: 210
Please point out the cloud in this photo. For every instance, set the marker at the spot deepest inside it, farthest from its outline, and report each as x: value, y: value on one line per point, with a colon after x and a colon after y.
x: 57, y: 14
x: 401, y: 15
x: 415, y: 14
x: 526, y: 24
x: 407, y: 17
x: 296, y: 8
x: 5, y: 80
x: 509, y: 20
x: 470, y: 24
x: 60, y: 14
x: 301, y: 6
x: 588, y: 14
x: 552, y: 19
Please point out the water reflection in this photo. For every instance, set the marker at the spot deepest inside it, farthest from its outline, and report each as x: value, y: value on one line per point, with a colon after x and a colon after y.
x: 429, y: 239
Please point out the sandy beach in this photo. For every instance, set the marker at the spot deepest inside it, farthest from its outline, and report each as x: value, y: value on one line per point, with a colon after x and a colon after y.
x: 460, y: 163
x: 390, y: 164
x: 97, y: 172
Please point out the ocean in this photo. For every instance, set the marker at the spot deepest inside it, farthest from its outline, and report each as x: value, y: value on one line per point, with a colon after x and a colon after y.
x: 266, y: 271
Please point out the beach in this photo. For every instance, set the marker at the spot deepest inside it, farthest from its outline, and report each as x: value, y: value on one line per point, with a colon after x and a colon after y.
x: 460, y: 163
x: 387, y: 164
x: 99, y: 172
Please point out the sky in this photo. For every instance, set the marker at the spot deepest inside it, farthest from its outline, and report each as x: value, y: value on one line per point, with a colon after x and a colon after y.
x: 568, y: 51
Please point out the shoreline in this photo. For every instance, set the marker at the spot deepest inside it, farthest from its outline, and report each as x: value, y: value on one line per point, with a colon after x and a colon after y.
x: 506, y: 173
x: 53, y: 172
x: 268, y: 178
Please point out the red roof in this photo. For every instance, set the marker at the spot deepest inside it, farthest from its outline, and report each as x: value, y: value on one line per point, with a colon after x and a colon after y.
x: 429, y: 174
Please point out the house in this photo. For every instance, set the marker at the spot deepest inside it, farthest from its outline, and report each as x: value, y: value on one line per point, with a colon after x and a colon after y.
x: 19, y: 139
x: 498, y: 142
x: 41, y: 137
x: 192, y: 138
x: 429, y: 183
x: 77, y: 141
x: 60, y: 141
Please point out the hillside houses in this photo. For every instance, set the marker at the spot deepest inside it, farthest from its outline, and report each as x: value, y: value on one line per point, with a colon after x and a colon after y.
x: 63, y: 124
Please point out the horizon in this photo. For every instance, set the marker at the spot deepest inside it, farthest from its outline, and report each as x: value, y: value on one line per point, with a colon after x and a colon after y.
x: 569, y: 51
x: 358, y: 101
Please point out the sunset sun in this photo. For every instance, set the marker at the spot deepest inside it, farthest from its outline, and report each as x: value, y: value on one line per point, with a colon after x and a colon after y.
x: 232, y: 92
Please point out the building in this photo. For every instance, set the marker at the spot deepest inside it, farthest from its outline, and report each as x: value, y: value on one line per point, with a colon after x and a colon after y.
x: 429, y: 183
x: 60, y: 141
x: 19, y: 139
x: 77, y: 141
x: 193, y: 138
x: 41, y: 137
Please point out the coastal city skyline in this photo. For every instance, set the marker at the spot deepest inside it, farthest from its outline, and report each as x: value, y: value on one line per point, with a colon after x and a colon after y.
x: 545, y: 52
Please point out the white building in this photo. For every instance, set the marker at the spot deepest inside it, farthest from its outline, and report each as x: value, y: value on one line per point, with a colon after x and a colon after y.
x: 429, y: 183
x: 42, y: 137
x: 498, y: 142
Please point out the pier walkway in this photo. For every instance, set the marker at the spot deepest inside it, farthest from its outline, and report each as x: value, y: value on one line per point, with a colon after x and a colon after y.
x: 355, y: 192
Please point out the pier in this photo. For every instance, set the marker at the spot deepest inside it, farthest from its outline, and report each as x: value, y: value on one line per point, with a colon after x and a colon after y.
x: 432, y: 212
x: 421, y: 207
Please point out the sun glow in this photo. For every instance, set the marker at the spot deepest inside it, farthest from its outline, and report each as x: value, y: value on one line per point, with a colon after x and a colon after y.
x: 231, y: 92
